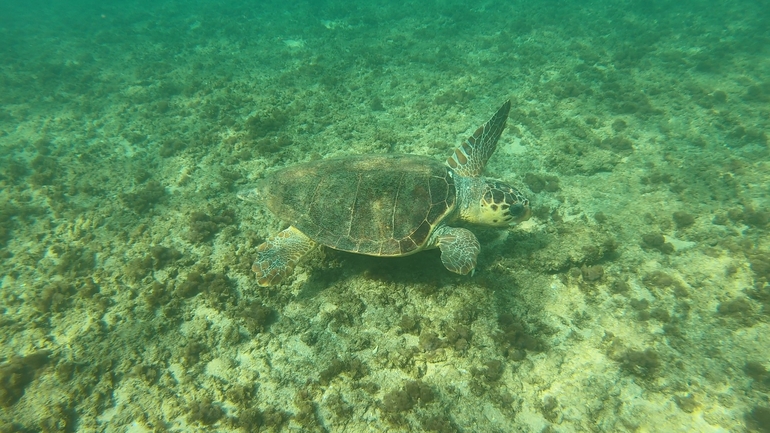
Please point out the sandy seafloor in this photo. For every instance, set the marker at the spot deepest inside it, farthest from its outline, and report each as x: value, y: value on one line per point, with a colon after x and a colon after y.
x: 635, y: 300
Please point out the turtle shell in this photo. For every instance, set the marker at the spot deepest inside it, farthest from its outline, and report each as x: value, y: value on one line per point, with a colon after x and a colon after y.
x: 380, y: 205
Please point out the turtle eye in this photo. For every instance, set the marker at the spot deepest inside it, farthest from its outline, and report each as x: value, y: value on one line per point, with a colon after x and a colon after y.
x: 516, y: 210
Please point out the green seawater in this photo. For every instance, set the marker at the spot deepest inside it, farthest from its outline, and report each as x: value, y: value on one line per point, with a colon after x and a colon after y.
x: 636, y: 298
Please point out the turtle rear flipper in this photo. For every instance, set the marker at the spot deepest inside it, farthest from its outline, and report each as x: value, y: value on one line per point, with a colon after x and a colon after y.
x: 459, y: 249
x: 278, y: 255
x: 470, y: 157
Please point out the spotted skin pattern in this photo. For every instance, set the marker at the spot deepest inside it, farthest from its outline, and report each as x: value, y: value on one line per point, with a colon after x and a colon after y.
x: 470, y: 158
x: 459, y: 249
x: 278, y: 255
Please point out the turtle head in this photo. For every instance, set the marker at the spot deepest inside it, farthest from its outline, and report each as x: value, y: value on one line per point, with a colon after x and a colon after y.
x: 498, y: 205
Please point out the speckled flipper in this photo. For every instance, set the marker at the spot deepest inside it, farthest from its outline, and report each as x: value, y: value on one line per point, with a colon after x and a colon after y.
x: 459, y: 249
x: 278, y: 255
x: 470, y: 157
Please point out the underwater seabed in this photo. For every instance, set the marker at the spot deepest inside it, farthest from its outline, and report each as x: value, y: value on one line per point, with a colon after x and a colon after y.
x: 635, y: 299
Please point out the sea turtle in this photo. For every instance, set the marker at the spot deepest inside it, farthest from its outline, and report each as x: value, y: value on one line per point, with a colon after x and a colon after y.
x: 387, y: 205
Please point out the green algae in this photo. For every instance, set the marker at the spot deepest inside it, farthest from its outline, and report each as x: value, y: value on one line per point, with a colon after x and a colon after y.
x: 636, y: 298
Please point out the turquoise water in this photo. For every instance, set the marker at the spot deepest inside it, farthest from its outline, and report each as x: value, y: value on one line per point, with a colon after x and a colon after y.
x: 636, y: 298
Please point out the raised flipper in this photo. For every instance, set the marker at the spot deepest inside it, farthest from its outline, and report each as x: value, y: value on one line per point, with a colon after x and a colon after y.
x: 470, y: 157
x: 459, y: 249
x: 278, y: 255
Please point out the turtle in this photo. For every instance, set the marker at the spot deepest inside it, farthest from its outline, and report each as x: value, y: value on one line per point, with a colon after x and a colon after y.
x: 387, y: 205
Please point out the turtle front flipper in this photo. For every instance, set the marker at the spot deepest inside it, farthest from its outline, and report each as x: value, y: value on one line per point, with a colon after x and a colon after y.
x: 459, y: 249
x: 278, y: 255
x: 470, y: 157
